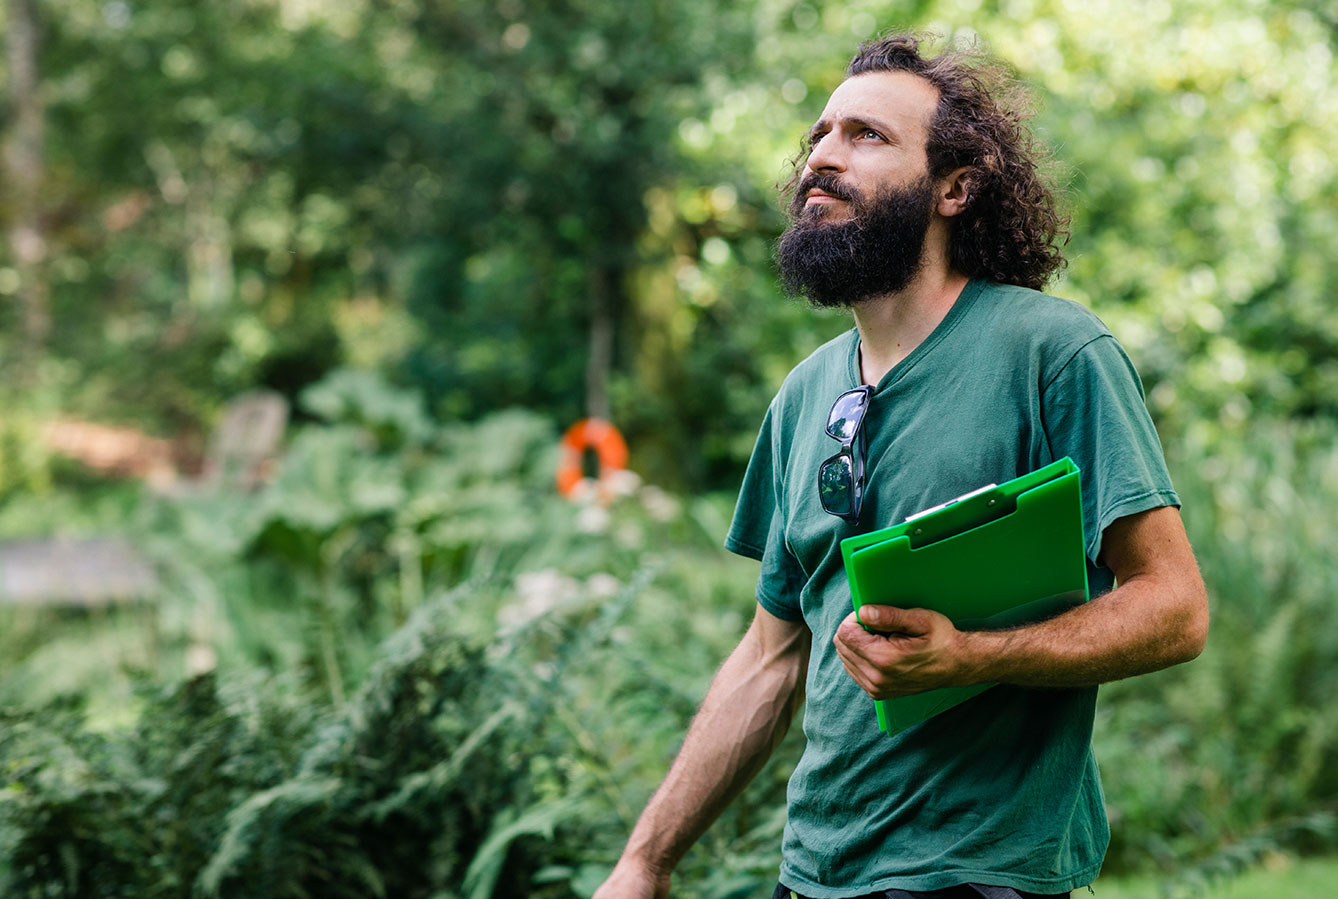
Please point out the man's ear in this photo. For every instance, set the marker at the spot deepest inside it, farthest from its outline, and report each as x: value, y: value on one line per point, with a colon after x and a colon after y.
x: 954, y: 192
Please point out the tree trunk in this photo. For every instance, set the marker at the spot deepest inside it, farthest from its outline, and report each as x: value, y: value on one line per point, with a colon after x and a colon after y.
x: 600, y: 361
x: 23, y: 172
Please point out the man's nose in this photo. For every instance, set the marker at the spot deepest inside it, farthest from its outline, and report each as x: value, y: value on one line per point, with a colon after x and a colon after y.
x: 828, y: 154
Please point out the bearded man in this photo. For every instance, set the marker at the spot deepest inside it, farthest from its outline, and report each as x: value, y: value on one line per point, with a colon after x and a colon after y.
x: 919, y: 205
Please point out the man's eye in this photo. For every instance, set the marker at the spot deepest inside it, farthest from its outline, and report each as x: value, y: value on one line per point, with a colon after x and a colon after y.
x: 815, y: 139
x: 870, y: 133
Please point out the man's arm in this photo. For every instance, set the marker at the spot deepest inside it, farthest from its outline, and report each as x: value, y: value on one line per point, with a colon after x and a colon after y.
x: 1156, y: 617
x: 746, y: 712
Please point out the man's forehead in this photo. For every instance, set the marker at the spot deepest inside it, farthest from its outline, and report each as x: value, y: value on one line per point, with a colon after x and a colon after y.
x: 896, y: 100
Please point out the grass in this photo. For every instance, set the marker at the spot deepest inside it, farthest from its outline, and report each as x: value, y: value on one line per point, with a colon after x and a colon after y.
x: 1280, y: 877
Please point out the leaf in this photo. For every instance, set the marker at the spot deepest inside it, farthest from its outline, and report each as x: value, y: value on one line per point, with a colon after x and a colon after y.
x: 269, y: 809
x: 540, y: 820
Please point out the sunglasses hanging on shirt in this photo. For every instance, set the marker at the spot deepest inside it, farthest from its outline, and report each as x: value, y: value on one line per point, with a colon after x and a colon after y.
x: 841, y: 477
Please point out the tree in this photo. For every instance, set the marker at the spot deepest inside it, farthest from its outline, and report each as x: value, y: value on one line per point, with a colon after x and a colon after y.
x: 23, y: 168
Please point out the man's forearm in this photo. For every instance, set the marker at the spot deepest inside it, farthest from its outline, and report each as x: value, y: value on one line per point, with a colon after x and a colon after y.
x: 745, y: 714
x: 1110, y: 638
x: 1157, y: 617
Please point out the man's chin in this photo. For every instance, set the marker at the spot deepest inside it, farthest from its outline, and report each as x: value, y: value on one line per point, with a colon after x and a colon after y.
x: 840, y: 293
x: 823, y: 297
x: 843, y: 301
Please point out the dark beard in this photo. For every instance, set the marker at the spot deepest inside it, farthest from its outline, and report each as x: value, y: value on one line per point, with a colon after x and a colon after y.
x: 876, y: 251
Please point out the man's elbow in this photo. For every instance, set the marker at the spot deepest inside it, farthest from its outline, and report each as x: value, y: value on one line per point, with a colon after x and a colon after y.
x: 1193, y: 630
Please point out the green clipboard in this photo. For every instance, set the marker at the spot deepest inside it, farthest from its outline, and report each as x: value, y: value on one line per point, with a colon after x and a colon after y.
x: 997, y: 557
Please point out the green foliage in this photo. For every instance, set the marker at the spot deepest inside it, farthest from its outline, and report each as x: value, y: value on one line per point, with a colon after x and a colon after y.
x: 200, y: 223
x: 332, y: 198
x: 1244, y: 738
x: 373, y: 508
x: 1279, y: 877
x: 504, y: 738
x: 583, y: 102
x: 399, y: 793
x: 137, y: 813
x: 1202, y: 203
x: 500, y: 744
x: 256, y: 193
x: 259, y: 790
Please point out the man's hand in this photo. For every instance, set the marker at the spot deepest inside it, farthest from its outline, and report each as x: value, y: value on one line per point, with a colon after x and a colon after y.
x: 913, y: 650
x: 631, y: 881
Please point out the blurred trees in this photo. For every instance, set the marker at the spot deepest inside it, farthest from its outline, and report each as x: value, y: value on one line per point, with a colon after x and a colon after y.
x: 562, y: 117
x: 1204, y: 202
x: 23, y: 168
x: 216, y: 181
x: 570, y: 206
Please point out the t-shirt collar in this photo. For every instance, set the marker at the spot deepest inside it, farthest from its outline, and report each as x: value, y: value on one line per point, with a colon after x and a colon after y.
x: 941, y: 330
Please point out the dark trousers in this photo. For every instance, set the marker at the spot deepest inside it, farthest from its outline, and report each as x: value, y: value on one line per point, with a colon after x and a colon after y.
x: 962, y: 891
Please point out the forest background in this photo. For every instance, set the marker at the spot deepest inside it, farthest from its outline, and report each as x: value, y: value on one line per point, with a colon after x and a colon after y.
x: 443, y: 231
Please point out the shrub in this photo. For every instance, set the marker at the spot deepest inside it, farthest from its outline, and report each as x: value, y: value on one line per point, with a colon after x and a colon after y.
x: 1211, y: 765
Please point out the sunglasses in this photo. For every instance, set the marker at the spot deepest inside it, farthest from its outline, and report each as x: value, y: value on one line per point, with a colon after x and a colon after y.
x: 841, y: 478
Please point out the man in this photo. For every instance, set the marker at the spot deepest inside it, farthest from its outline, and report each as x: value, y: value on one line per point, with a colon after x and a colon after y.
x: 919, y: 205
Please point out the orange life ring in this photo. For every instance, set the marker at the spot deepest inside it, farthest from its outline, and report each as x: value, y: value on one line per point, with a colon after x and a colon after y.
x: 589, y: 434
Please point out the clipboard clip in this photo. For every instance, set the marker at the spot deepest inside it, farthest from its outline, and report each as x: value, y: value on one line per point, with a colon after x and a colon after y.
x: 932, y: 509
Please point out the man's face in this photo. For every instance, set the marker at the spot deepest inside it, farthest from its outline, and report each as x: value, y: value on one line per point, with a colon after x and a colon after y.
x: 872, y: 135
x: 865, y: 199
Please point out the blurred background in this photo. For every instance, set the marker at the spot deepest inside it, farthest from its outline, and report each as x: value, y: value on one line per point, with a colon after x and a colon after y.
x: 297, y: 298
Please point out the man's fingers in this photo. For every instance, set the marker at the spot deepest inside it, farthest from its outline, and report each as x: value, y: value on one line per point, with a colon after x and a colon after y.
x: 855, y: 641
x: 863, y: 655
x: 891, y: 619
x: 902, y: 653
x: 856, y: 673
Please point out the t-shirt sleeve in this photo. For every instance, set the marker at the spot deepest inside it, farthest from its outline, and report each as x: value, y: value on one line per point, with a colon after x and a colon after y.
x: 1094, y: 412
x: 758, y: 529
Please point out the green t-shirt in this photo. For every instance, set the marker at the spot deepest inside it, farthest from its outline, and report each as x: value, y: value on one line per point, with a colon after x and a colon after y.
x: 1002, y: 789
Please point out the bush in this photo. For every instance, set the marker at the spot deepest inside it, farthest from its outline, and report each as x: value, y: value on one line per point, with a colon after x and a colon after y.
x: 504, y: 738
x: 1211, y: 765
x: 136, y: 813
x: 501, y: 741
x: 374, y: 508
x: 255, y: 790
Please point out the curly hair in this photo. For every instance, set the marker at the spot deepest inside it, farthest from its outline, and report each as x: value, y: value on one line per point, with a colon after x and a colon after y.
x: 1012, y: 228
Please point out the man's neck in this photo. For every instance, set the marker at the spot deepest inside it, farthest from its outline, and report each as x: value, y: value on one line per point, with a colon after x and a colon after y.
x: 893, y: 325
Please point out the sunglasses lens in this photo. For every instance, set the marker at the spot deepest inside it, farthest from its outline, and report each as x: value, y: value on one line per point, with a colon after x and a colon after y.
x: 836, y: 485
x: 846, y: 414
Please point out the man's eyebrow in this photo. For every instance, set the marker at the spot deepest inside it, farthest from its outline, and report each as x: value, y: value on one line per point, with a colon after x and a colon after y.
x: 823, y: 125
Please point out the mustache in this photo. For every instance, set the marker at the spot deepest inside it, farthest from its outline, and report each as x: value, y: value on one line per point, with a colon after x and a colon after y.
x: 827, y: 183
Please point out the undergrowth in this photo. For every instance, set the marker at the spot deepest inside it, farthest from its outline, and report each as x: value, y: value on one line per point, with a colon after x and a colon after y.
x: 433, y: 677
